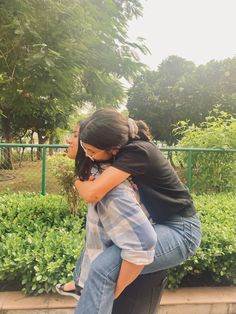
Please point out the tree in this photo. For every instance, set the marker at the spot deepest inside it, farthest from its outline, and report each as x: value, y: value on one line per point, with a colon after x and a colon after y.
x: 56, y: 54
x: 179, y: 90
x: 152, y: 99
x: 209, y: 85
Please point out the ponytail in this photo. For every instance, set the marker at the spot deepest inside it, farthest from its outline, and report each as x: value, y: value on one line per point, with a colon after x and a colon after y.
x: 139, y: 130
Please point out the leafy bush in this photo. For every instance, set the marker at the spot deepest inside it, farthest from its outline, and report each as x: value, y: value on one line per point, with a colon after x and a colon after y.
x: 39, y: 241
x: 212, y: 171
x: 217, y: 253
x: 62, y: 168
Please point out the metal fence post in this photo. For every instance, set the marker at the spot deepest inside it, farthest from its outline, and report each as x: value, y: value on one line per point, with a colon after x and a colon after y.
x: 44, y: 155
x: 189, y: 175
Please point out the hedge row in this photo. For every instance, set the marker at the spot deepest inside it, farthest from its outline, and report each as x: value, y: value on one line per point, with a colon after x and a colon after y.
x: 40, y: 241
x: 216, y: 256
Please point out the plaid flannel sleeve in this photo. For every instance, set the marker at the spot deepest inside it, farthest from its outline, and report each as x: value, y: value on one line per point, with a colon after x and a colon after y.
x: 127, y: 225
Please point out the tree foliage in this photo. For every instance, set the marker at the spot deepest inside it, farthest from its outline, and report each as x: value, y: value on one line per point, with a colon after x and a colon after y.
x: 179, y: 90
x: 151, y: 98
x: 208, y: 85
x: 57, y: 53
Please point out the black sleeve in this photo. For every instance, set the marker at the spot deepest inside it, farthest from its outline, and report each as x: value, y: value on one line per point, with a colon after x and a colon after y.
x: 133, y: 159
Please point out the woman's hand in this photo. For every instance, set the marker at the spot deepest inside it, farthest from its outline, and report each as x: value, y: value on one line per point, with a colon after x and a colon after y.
x: 85, y: 189
x: 95, y: 189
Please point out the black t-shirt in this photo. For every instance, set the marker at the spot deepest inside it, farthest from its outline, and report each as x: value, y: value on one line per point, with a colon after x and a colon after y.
x: 161, y: 190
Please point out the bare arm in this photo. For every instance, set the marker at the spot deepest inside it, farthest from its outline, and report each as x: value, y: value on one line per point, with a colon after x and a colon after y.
x: 94, y: 191
x: 128, y: 273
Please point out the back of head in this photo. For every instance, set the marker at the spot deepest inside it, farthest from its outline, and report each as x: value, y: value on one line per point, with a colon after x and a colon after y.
x: 144, y: 133
x: 105, y: 129
x: 108, y: 128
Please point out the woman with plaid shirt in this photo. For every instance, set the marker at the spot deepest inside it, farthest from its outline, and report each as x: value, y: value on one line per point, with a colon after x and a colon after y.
x: 108, y: 136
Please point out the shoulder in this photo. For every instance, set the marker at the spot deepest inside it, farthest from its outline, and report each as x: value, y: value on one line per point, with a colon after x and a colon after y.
x: 134, y: 158
x: 142, y: 147
x: 139, y: 150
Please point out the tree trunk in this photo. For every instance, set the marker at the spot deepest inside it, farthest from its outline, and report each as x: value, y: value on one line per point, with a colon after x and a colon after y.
x: 7, y: 152
x: 51, y: 139
x: 170, y: 158
x: 41, y: 140
x: 31, y: 148
x: 21, y: 156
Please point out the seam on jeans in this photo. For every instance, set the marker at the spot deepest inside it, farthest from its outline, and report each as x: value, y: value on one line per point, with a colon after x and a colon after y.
x: 184, y: 240
x: 169, y: 251
x: 104, y: 281
x: 194, y: 243
x: 179, y: 233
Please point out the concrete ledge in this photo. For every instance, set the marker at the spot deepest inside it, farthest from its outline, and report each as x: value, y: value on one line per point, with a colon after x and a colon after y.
x: 203, y: 300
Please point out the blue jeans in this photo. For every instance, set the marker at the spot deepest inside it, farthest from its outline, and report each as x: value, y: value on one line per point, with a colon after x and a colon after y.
x: 177, y: 240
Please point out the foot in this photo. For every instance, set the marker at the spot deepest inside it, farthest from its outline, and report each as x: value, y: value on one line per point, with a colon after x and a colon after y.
x: 69, y: 286
x: 75, y: 293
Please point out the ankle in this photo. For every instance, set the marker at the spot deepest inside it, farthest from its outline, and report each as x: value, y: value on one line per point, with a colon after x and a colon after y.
x: 69, y: 286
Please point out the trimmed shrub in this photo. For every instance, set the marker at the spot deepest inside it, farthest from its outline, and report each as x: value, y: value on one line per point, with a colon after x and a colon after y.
x: 217, y: 253
x: 40, y: 241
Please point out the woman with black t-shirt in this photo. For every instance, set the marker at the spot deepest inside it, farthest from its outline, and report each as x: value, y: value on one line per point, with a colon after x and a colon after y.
x: 107, y: 136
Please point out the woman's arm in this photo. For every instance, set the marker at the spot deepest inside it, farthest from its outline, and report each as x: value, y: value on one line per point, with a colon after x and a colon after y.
x: 128, y: 273
x: 94, y: 191
x: 130, y: 230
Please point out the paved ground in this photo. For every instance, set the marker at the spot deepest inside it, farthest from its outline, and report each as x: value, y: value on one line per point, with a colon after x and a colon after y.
x: 202, y: 300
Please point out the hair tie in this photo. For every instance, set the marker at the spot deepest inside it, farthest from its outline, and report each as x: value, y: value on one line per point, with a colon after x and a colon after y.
x: 133, y: 128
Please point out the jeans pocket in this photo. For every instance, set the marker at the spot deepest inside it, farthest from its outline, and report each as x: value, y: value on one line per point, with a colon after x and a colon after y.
x: 192, y: 234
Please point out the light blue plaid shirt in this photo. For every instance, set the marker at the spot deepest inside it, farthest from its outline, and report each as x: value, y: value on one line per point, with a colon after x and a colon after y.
x: 118, y: 219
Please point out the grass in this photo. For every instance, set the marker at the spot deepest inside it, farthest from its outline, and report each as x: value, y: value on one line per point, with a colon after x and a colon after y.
x: 27, y: 178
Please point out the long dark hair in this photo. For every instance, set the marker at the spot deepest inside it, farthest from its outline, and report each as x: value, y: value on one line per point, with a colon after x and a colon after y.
x: 105, y: 129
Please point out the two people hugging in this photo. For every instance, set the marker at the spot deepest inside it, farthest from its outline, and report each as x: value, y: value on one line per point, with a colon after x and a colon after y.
x: 141, y: 218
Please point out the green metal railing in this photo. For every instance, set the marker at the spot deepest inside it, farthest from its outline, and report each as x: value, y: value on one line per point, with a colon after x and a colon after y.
x: 44, y: 148
x: 190, y: 154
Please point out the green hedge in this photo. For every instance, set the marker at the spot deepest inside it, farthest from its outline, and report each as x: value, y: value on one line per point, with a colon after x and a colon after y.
x: 216, y: 256
x: 40, y: 241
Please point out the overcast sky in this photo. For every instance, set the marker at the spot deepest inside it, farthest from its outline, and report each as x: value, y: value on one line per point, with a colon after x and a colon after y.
x: 197, y: 30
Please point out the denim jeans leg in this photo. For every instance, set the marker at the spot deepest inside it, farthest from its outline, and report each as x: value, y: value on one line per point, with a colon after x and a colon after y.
x: 177, y: 240
x: 98, y: 293
x: 76, y: 272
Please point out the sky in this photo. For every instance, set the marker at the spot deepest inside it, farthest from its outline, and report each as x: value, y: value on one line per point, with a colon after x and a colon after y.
x: 197, y: 30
